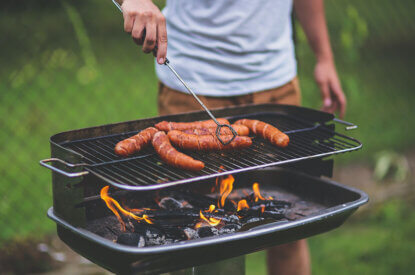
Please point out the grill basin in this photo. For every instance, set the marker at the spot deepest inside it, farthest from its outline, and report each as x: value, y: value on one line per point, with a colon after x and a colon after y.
x: 337, y: 202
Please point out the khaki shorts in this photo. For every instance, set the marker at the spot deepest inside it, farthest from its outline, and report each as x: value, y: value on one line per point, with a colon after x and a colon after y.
x: 171, y: 101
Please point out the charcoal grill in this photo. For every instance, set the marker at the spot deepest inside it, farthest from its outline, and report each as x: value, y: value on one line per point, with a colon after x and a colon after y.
x: 83, y: 162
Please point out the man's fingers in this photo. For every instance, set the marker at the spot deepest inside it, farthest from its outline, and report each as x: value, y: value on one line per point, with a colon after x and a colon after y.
x: 138, y: 31
x: 161, y: 40
x: 128, y: 23
x: 325, y: 94
x: 340, y: 98
x: 151, y: 37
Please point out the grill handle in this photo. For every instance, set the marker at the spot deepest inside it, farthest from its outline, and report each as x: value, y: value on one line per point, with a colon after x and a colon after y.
x: 45, y: 162
x: 349, y: 126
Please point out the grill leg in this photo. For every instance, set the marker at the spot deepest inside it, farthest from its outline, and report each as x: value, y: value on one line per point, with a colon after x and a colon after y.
x: 234, y: 266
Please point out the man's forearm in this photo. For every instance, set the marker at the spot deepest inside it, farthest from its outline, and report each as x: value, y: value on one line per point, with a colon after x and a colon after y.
x: 311, y: 15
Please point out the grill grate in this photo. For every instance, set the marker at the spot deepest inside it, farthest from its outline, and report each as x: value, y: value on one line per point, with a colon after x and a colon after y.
x: 145, y: 171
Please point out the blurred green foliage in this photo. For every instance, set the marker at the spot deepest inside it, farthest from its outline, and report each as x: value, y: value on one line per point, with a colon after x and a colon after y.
x: 68, y: 65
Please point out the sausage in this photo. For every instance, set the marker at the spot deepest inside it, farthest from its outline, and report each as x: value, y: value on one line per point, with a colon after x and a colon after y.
x: 207, y: 142
x: 135, y: 143
x: 241, y: 130
x: 168, y: 126
x: 267, y: 131
x: 173, y: 157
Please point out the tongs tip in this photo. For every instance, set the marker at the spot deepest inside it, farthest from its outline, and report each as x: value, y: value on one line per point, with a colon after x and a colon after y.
x: 219, y: 128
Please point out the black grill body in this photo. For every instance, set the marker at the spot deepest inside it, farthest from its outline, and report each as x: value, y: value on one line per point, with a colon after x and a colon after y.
x: 313, y: 142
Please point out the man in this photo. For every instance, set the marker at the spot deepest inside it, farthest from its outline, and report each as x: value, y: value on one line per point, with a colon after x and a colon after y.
x: 234, y: 52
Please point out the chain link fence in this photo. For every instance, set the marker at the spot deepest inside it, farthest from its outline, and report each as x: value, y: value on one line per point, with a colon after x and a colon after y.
x: 69, y: 65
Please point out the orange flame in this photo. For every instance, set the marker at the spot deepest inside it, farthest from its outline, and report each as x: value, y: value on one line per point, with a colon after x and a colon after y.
x: 211, y: 208
x: 226, y: 186
x: 113, y: 205
x: 257, y: 194
x: 242, y: 204
x: 210, y: 221
x: 221, y: 168
x: 262, y: 208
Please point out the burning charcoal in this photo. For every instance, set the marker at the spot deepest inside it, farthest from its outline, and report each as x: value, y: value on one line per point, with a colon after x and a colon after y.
x: 174, y: 233
x: 154, y: 236
x: 168, y: 241
x: 107, y: 227
x: 230, y: 206
x: 197, y: 200
x: 258, y: 207
x: 254, y: 219
x: 273, y: 214
x: 233, y: 219
x: 277, y: 204
x: 229, y: 228
x: 207, y: 231
x: 170, y: 203
x: 190, y: 233
x: 131, y: 239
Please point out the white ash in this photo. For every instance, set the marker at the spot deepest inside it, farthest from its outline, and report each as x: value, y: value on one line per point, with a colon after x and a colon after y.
x: 229, y: 228
x: 190, y: 233
x: 255, y: 219
x: 233, y: 219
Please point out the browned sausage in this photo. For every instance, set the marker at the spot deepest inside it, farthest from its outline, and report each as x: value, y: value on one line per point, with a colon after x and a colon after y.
x: 207, y: 142
x: 173, y: 157
x: 135, y: 143
x: 266, y: 131
x: 168, y: 126
x: 241, y: 130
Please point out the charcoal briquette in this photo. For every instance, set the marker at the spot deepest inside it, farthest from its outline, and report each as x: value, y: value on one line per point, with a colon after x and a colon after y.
x: 190, y: 233
x: 207, y: 231
x: 131, y: 239
x: 170, y: 203
x: 233, y: 219
x: 229, y: 228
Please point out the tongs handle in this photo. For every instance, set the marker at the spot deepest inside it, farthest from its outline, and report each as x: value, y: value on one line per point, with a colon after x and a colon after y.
x: 219, y: 126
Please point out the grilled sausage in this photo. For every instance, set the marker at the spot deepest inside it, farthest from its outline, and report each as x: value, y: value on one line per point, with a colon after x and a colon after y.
x: 168, y: 126
x: 173, y: 157
x: 241, y: 130
x: 135, y: 143
x: 266, y: 131
x: 207, y: 142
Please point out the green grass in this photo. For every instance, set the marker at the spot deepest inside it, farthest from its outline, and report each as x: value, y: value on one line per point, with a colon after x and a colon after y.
x: 379, y: 243
x: 63, y: 69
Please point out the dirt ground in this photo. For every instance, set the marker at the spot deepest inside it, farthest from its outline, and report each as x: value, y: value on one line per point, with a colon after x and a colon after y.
x: 356, y: 175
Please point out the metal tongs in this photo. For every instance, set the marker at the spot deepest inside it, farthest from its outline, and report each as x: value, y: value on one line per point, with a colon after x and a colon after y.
x: 219, y: 126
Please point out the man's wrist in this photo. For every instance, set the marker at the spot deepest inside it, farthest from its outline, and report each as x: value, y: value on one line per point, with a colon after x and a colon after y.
x: 325, y: 58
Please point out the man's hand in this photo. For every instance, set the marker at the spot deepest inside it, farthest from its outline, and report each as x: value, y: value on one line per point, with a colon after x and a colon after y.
x: 147, y: 26
x: 331, y: 91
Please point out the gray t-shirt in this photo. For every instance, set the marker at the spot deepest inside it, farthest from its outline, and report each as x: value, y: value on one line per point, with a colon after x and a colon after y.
x: 229, y: 47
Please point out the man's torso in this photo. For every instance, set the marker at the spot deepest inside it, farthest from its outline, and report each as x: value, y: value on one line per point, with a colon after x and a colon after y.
x: 229, y: 47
